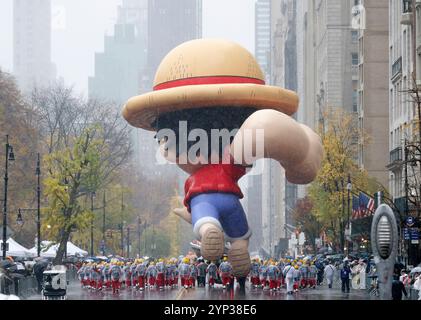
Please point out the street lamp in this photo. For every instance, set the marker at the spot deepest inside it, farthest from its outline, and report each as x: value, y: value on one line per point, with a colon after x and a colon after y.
x: 38, y: 174
x: 128, y: 241
x: 121, y: 227
x: 349, y: 189
x: 19, y: 219
x: 92, y: 223
x: 139, y: 224
x: 10, y: 156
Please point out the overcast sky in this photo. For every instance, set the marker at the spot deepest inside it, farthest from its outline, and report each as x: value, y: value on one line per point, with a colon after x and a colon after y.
x: 76, y: 38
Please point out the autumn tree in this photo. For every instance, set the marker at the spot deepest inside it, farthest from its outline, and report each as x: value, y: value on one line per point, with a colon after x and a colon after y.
x: 306, y: 221
x: 16, y: 121
x: 85, y: 143
x: 341, y: 139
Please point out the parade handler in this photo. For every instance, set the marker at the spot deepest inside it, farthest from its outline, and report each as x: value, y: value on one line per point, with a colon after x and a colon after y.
x: 213, y: 84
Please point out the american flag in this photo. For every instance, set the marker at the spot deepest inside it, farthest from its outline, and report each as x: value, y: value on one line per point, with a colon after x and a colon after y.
x: 366, y: 205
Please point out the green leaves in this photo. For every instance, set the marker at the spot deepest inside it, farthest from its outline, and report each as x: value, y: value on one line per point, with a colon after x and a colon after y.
x: 73, y: 172
x: 328, y: 192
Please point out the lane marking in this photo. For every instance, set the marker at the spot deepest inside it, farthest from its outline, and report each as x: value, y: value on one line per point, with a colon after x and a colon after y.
x: 180, y: 293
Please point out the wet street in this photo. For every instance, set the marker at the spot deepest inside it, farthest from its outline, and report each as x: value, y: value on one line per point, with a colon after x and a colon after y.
x: 75, y: 292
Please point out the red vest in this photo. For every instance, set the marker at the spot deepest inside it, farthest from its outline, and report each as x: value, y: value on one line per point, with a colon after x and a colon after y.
x: 221, y: 178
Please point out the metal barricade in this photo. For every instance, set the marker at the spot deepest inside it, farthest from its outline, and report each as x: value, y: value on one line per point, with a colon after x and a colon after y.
x: 23, y: 287
x: 27, y: 286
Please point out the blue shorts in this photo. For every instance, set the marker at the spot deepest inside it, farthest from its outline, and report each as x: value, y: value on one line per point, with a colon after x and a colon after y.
x: 222, y: 209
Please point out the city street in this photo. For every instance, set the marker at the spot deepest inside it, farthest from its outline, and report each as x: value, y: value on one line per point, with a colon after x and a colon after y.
x: 179, y: 142
x: 75, y: 292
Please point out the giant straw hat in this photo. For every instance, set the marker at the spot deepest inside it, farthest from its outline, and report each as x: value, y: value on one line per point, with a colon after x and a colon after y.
x: 207, y: 73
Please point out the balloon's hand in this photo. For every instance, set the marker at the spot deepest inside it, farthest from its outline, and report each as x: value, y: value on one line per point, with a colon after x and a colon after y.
x: 183, y: 213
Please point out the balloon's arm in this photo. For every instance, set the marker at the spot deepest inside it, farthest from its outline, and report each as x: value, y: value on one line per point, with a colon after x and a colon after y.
x: 272, y: 134
x: 183, y: 213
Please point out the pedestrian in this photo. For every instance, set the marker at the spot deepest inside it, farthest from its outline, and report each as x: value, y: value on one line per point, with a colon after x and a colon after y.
x: 184, y: 270
x: 254, y: 273
x: 134, y: 276
x: 281, y: 280
x: 288, y: 273
x: 212, y: 271
x: 320, y: 271
x: 263, y: 274
x: 329, y: 273
x: 297, y: 278
x: 115, y: 273
x: 201, y: 276
x: 225, y: 272
x: 39, y: 267
x: 345, y: 275
x: 176, y: 273
x: 87, y: 278
x: 193, y: 274
x: 168, y: 274
x: 141, y: 274
x: 273, y: 272
x: 151, y: 274
x: 398, y: 288
x: 107, y: 276
x: 160, y: 277
x: 312, y: 275
x: 304, y: 273
x: 362, y: 273
x: 99, y: 270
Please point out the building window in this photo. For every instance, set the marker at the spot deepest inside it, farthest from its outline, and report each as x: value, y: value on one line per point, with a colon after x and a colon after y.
x: 406, y: 6
x: 355, y: 59
x: 354, y: 36
x: 355, y: 101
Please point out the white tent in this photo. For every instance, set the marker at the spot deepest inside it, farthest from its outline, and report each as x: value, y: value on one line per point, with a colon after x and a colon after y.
x: 16, y: 250
x: 51, y: 252
x: 73, y: 250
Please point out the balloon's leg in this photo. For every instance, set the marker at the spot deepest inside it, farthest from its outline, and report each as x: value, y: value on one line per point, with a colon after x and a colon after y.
x: 212, y: 242
x: 239, y: 257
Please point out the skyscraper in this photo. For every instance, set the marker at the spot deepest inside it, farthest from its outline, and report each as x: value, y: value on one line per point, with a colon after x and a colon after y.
x: 262, y: 36
x: 269, y: 185
x: 374, y: 89
x: 170, y: 23
x: 32, y: 43
x: 284, y: 74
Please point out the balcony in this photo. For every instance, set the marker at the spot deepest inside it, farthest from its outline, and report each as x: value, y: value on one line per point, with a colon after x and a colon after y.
x: 396, y: 159
x: 406, y: 18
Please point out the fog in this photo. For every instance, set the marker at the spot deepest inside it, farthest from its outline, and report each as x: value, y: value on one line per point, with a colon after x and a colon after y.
x: 79, y: 27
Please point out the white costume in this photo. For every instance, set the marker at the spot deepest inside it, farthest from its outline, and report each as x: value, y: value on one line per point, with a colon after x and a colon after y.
x: 362, y: 273
x: 289, y: 277
x: 329, y: 273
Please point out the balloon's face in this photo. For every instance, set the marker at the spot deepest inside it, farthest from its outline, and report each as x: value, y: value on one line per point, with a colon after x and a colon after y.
x: 196, y: 137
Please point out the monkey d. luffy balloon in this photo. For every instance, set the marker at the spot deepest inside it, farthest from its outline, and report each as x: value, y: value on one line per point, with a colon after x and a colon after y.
x: 215, y: 88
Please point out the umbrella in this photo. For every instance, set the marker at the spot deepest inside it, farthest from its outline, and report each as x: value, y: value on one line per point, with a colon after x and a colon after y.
x: 4, y: 264
x: 40, y: 266
x: 416, y: 269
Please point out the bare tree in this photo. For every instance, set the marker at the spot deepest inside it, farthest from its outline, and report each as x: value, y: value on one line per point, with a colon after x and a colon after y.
x: 95, y: 142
